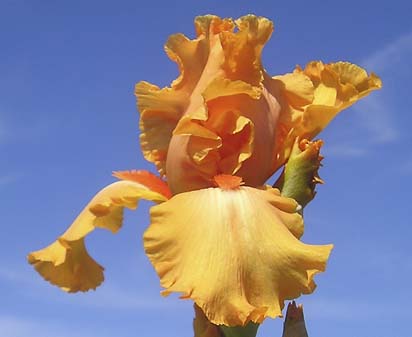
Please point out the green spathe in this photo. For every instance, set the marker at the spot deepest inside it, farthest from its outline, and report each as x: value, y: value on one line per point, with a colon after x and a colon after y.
x: 300, y: 175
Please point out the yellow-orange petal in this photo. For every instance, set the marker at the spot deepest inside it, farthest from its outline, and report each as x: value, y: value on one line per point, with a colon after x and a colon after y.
x: 341, y: 84
x: 231, y: 251
x: 161, y: 109
x: 310, y: 98
x: 66, y: 263
x: 206, y: 25
x: 221, y: 138
x: 243, y: 48
x: 217, y: 70
x: 216, y: 141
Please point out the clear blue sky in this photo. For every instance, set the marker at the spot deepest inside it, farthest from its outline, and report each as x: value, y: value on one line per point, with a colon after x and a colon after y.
x: 68, y: 119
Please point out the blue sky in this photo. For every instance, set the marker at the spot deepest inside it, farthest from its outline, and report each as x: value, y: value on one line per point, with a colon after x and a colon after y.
x: 68, y: 119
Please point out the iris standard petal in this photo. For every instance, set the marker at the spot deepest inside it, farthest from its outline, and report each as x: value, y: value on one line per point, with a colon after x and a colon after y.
x: 223, y: 134
x: 222, y: 79
x: 221, y: 75
x: 232, y: 252
x: 218, y: 142
x: 310, y: 98
x: 242, y: 49
x: 161, y: 109
x: 66, y: 263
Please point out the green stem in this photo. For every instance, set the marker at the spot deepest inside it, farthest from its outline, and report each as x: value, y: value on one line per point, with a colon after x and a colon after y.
x: 250, y: 330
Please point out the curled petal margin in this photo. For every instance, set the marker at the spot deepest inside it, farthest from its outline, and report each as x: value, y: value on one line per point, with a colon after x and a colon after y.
x: 66, y: 262
x: 232, y: 252
x: 311, y: 97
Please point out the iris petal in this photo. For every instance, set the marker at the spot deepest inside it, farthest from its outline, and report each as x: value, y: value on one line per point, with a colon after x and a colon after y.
x: 221, y: 75
x: 221, y: 80
x: 311, y: 97
x: 161, y: 109
x: 232, y: 252
x: 66, y: 263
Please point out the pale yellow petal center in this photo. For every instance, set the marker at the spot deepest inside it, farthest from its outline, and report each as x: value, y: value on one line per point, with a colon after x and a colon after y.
x: 232, y: 252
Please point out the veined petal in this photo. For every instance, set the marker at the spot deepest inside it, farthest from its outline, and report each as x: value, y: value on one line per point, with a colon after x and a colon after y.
x: 232, y: 252
x: 310, y: 98
x: 213, y: 141
x: 221, y: 75
x: 221, y: 79
x: 218, y: 145
x: 341, y: 84
x: 66, y: 263
x: 223, y: 136
x: 161, y: 109
x: 243, y: 48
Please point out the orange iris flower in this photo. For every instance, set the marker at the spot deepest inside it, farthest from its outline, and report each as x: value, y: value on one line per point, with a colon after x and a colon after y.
x: 218, y: 236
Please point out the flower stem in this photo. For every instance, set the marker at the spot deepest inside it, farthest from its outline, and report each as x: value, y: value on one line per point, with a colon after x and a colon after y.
x: 250, y: 330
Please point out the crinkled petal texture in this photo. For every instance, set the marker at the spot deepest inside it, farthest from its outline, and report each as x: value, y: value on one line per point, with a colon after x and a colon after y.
x: 225, y: 115
x: 205, y: 123
x: 310, y: 98
x: 233, y: 252
x: 66, y: 262
x: 161, y: 109
x: 232, y: 133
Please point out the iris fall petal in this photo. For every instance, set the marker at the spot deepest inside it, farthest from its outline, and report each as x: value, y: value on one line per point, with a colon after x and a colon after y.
x: 232, y: 252
x: 66, y: 263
